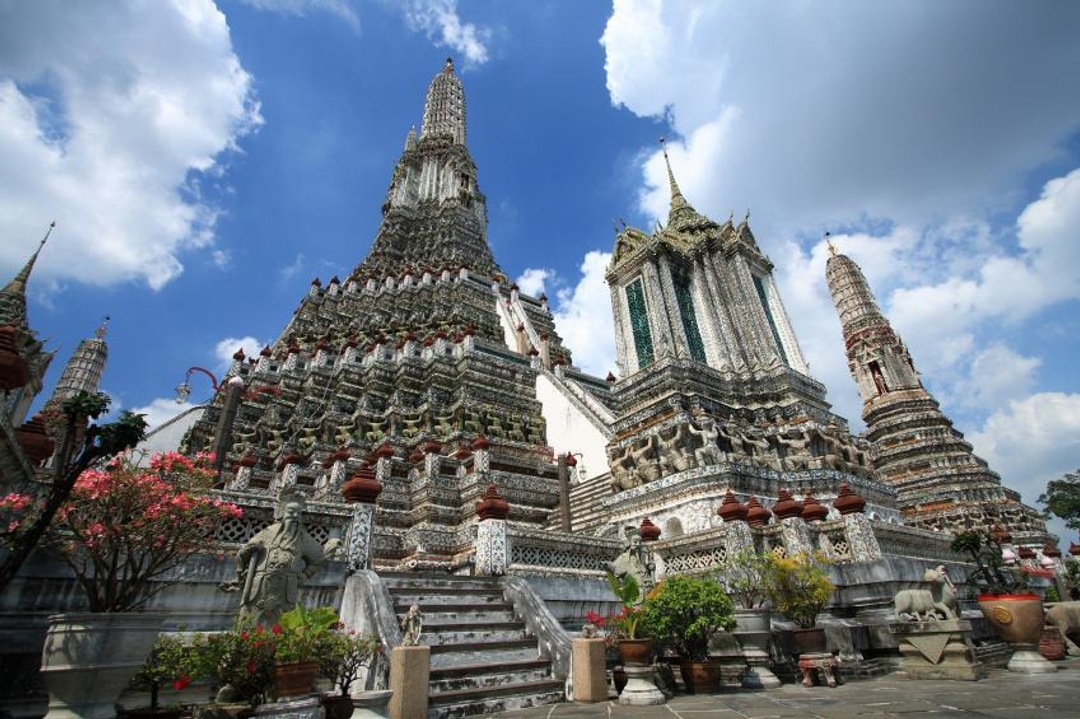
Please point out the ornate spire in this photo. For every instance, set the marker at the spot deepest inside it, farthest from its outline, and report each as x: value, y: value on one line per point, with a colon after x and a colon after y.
x: 410, y: 139
x: 852, y: 296
x: 444, y: 111
x: 681, y: 213
x: 13, y: 296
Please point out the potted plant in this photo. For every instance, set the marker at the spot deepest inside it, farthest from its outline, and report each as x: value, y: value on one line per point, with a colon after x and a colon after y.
x: 1005, y: 600
x: 799, y: 588
x: 683, y: 613
x: 169, y: 662
x: 123, y: 529
x: 240, y: 662
x: 343, y: 658
x: 302, y: 637
x: 635, y: 648
x: 744, y: 581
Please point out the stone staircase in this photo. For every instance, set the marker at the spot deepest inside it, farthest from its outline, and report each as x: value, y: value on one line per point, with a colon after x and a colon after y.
x: 482, y: 659
x: 586, y: 513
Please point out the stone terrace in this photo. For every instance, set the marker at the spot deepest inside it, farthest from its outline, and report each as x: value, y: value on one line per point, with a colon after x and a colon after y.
x: 1003, y: 694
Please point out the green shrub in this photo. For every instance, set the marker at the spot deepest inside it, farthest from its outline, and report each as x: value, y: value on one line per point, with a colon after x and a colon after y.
x: 683, y: 612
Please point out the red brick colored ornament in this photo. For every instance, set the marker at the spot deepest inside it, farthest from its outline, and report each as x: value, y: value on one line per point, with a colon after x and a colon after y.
x: 1074, y: 549
x: 492, y: 505
x: 786, y: 506
x: 1051, y: 550
x: 385, y: 451
x: 732, y: 510
x: 362, y: 487
x: 813, y: 510
x: 648, y: 531
x: 571, y: 461
x: 13, y: 368
x: 847, y: 501
x: 1026, y: 553
x: 756, y: 515
x: 35, y: 440
x: 481, y: 442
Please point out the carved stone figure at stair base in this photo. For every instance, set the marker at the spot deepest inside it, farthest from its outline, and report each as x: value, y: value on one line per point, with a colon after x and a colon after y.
x: 412, y: 624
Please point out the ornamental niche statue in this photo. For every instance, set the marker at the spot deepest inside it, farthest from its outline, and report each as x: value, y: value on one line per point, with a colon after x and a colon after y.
x: 412, y: 624
x: 273, y: 564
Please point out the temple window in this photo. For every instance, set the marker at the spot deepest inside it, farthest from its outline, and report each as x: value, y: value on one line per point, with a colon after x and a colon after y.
x: 639, y: 323
x: 689, y: 319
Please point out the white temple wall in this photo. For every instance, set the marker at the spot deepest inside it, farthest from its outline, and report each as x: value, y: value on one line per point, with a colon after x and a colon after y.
x: 570, y: 430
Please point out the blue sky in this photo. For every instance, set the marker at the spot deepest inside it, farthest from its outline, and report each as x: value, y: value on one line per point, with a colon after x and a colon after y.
x: 204, y: 162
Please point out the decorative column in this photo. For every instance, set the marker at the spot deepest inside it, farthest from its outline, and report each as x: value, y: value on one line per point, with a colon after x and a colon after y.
x: 793, y: 529
x: 288, y: 471
x: 384, y: 461
x: 860, y: 533
x: 243, y: 472
x: 492, y: 538
x: 737, y: 535
x: 481, y: 454
x: 361, y: 492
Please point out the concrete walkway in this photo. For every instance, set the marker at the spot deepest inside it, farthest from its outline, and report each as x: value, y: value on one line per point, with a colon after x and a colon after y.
x: 1002, y: 694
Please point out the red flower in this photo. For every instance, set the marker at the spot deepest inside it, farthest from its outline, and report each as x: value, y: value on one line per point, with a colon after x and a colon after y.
x: 259, y: 629
x: 244, y: 636
x: 276, y: 629
x: 181, y: 683
x: 251, y: 667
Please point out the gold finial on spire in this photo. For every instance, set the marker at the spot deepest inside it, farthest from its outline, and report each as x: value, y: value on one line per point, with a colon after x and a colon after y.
x: 102, y: 328
x: 746, y: 217
x: 832, y: 247
x: 730, y: 216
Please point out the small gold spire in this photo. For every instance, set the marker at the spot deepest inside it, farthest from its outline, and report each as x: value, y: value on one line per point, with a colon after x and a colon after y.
x: 832, y: 247
x: 102, y: 328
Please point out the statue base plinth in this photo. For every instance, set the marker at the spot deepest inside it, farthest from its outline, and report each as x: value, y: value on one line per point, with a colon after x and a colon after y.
x: 937, y: 650
x: 640, y: 690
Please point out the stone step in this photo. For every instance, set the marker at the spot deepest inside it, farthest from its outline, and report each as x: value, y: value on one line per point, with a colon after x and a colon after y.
x: 478, y: 608
x: 463, y: 616
x: 445, y: 656
x: 408, y: 596
x: 489, y: 700
x: 397, y: 580
x: 475, y: 676
x: 477, y: 633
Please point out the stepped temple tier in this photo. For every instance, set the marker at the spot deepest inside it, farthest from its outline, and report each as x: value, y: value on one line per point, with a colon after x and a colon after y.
x: 430, y: 416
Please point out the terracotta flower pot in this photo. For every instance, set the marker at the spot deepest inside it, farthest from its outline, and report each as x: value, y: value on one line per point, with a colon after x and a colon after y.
x: 337, y: 706
x: 700, y: 677
x: 636, y: 652
x: 293, y: 679
x: 1052, y: 645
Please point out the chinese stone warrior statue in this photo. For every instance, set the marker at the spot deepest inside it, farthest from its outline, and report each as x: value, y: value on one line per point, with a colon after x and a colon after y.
x: 273, y: 564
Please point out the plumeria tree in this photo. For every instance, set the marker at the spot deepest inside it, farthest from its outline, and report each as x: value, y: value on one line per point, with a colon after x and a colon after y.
x: 126, y: 526
x: 25, y: 515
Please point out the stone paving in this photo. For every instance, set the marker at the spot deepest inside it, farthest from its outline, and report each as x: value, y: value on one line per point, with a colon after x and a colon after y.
x: 1002, y: 694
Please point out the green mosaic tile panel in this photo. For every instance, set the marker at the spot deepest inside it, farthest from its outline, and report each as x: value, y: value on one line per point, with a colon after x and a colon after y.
x: 639, y: 323
x: 689, y: 319
x: 760, y: 286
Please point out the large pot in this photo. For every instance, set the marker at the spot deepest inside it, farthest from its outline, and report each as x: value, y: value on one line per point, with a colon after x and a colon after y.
x: 809, y: 641
x: 294, y: 679
x: 700, y: 677
x: 1018, y: 618
x: 89, y: 658
x: 753, y: 628
x: 636, y: 652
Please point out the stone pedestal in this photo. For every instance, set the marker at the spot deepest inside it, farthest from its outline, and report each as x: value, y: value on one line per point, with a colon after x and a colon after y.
x: 409, y: 670
x: 640, y: 690
x: 371, y: 705
x: 937, y: 650
x: 309, y: 707
x: 589, y: 677
x: 822, y: 664
x: 1027, y: 660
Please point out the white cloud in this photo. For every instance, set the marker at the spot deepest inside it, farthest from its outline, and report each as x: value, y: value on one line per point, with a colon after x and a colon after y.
x: 439, y: 20
x: 1032, y: 441
x: 583, y: 317
x: 226, y: 348
x: 831, y: 112
x: 300, y: 8
x: 531, y: 281
x: 111, y: 131
x: 289, y: 271
x: 161, y: 410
